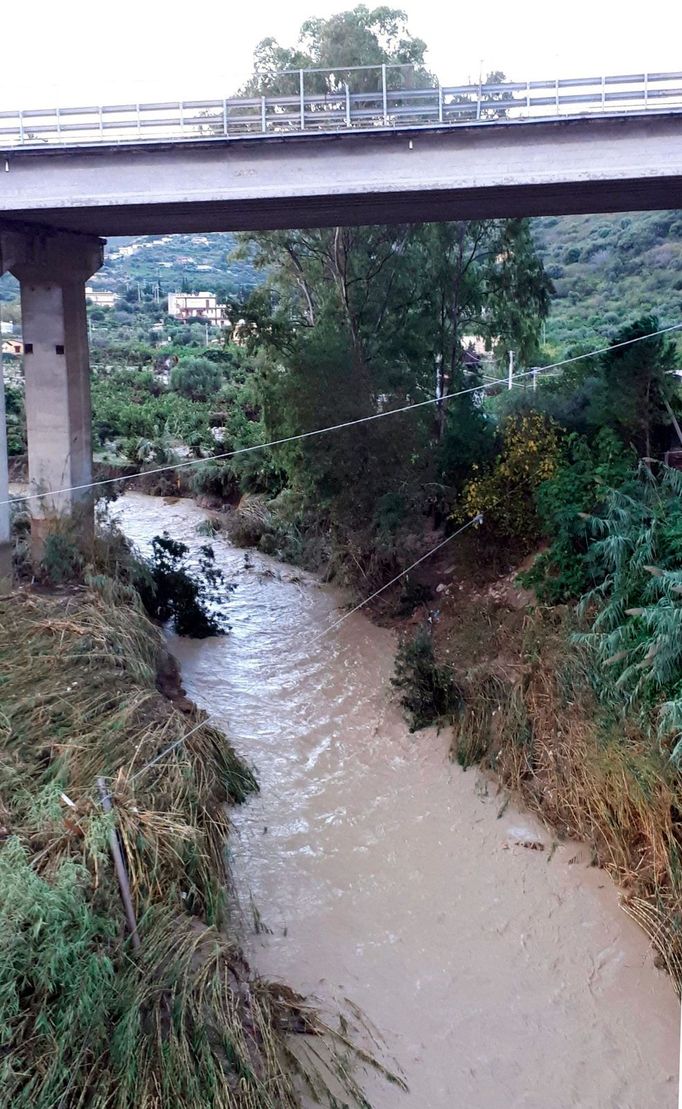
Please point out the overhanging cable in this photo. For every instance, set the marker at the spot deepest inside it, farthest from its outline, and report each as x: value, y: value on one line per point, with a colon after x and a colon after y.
x: 478, y: 519
x: 175, y: 466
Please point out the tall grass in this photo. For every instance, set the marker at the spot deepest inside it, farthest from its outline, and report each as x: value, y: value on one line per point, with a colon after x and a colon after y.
x: 538, y: 724
x: 85, y: 1020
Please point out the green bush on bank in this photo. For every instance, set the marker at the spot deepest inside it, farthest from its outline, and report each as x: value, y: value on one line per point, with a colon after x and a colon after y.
x: 584, y: 475
x: 428, y: 692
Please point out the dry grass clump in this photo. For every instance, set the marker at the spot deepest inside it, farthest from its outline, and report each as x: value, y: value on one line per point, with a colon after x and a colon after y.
x: 538, y: 725
x: 84, y: 1019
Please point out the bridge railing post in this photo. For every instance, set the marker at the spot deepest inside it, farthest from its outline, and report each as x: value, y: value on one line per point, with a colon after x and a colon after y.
x: 263, y: 115
x: 440, y: 103
x: 556, y: 94
x: 384, y: 91
x: 224, y: 117
x: 302, y: 98
x: 348, y: 120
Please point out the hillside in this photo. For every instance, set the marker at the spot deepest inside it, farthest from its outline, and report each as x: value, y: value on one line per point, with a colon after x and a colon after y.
x: 610, y: 269
x: 176, y: 262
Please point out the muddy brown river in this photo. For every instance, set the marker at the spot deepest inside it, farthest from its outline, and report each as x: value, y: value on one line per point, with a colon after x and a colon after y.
x: 501, y: 977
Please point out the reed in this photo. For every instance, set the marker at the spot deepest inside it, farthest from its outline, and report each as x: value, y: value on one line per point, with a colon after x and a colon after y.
x: 537, y: 723
x: 84, y: 1019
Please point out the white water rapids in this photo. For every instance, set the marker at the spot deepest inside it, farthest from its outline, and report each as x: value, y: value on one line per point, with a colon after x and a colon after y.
x: 500, y: 977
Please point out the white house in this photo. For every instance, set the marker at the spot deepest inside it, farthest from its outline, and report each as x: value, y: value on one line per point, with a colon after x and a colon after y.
x: 198, y: 306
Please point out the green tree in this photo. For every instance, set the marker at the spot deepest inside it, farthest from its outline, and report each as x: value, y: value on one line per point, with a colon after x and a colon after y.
x: 634, y: 386
x: 360, y: 37
x: 354, y: 321
x: 196, y: 378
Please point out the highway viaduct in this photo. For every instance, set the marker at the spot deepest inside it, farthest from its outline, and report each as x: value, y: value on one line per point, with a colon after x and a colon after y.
x: 58, y: 200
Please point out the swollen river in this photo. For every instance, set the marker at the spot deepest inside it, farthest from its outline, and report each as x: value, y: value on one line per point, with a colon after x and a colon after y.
x: 500, y: 977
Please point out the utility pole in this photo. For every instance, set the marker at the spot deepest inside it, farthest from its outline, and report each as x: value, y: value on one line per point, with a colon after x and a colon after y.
x: 510, y: 379
x: 440, y: 391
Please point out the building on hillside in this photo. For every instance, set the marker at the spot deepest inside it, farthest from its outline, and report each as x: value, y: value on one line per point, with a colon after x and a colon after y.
x: 12, y: 346
x: 198, y: 306
x: 125, y: 251
x: 101, y: 299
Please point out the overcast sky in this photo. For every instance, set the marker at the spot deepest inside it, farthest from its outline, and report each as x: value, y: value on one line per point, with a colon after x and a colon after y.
x: 82, y: 52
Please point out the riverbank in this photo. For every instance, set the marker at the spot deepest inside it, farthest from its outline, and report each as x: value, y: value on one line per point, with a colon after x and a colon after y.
x: 498, y: 972
x: 183, y: 1021
x: 529, y: 716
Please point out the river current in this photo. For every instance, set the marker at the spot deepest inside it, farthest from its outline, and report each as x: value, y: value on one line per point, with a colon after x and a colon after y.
x: 500, y: 976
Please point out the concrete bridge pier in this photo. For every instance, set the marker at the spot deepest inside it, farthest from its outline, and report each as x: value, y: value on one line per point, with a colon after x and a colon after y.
x: 52, y: 268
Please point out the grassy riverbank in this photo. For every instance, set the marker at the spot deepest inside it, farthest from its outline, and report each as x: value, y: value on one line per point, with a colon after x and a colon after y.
x: 84, y: 1019
x: 528, y: 710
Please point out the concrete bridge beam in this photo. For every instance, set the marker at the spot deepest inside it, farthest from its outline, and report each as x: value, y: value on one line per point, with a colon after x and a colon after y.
x: 52, y: 269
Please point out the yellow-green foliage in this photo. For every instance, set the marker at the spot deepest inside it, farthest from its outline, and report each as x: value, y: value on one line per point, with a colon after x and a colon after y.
x: 504, y: 493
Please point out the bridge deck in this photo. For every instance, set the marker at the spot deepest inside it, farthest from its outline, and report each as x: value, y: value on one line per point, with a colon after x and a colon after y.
x: 407, y: 174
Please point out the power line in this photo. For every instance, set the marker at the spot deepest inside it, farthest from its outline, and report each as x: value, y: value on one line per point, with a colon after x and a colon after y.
x: 602, y: 350
x: 475, y: 520
x: 478, y: 519
x: 175, y: 466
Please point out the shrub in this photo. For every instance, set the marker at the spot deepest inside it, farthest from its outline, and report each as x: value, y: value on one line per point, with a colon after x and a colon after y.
x: 635, y: 610
x: 176, y: 593
x: 215, y: 478
x: 505, y: 492
x: 428, y: 692
x: 584, y: 475
x: 412, y: 595
x: 196, y: 378
x: 62, y: 560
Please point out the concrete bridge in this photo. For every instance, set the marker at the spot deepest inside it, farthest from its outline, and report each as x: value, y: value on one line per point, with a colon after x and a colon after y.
x: 70, y: 176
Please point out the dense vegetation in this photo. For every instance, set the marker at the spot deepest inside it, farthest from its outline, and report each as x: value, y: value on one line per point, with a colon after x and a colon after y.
x: 607, y: 269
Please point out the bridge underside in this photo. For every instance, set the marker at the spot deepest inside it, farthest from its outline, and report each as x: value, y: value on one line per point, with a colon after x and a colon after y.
x: 418, y: 206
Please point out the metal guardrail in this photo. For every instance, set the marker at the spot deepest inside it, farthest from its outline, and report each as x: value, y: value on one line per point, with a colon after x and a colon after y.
x: 359, y: 98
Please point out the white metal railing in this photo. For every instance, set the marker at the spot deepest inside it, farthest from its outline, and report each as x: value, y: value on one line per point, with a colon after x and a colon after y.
x: 337, y: 100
